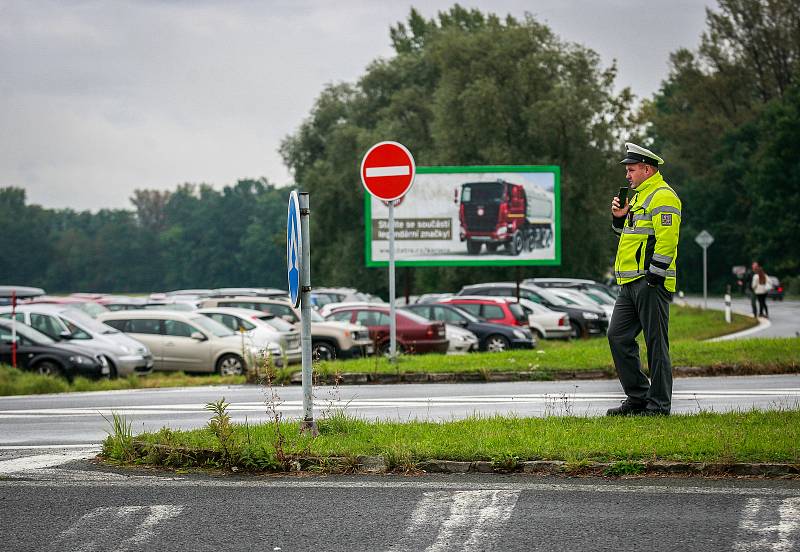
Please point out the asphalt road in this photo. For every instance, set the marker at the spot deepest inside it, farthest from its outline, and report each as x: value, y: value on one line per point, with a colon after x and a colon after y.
x: 81, y: 418
x: 80, y: 506
x: 784, y: 316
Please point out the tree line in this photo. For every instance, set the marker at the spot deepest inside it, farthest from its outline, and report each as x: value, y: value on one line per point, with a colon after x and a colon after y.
x: 468, y: 88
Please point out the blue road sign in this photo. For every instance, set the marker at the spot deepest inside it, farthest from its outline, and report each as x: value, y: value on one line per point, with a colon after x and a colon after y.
x: 293, y: 243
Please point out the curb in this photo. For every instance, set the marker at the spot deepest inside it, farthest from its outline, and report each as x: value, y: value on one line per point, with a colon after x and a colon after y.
x: 371, y: 465
x: 486, y: 376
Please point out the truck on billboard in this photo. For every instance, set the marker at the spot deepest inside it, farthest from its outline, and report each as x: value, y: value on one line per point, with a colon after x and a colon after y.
x: 500, y: 213
x: 468, y: 216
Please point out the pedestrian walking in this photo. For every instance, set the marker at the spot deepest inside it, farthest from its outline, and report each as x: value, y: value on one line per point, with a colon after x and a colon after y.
x: 761, y: 285
x: 648, y: 225
x: 748, y: 287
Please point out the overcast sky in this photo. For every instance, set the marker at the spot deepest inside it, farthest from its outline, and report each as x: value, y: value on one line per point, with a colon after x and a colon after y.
x: 98, y: 98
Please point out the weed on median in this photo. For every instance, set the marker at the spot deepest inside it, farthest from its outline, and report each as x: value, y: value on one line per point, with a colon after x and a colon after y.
x: 753, y: 436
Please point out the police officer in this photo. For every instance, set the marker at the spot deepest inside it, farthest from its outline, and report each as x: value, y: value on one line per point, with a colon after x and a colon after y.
x: 647, y: 225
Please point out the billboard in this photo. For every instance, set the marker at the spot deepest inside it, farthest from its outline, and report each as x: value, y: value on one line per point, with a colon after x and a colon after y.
x: 471, y: 216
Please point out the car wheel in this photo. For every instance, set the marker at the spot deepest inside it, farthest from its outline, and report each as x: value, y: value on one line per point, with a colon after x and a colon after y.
x: 473, y: 247
x: 48, y: 368
x: 575, y: 330
x: 538, y: 333
x: 112, y: 368
x: 384, y: 348
x: 230, y: 365
x: 496, y: 343
x: 322, y: 350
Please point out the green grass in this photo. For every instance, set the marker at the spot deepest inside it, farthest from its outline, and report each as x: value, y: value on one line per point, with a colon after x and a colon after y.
x: 688, y: 326
x: 753, y: 436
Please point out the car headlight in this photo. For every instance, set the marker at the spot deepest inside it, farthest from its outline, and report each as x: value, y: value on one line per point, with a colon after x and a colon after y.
x: 519, y: 334
x: 591, y: 316
x: 80, y: 359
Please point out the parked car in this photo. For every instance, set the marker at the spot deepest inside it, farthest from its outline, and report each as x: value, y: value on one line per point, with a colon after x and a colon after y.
x: 80, y: 302
x: 124, y: 354
x: 414, y: 333
x: 491, y: 337
x: 545, y: 323
x: 260, y: 332
x: 575, y: 297
x: 186, y: 341
x: 251, y: 292
x: 461, y: 340
x: 122, y: 302
x: 492, y: 309
x: 322, y: 296
x: 574, y: 283
x: 329, y: 339
x: 36, y: 352
x: 17, y: 293
x: 585, y: 321
x: 776, y: 292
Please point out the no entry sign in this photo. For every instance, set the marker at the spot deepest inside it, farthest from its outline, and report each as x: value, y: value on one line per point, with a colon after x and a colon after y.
x: 387, y: 170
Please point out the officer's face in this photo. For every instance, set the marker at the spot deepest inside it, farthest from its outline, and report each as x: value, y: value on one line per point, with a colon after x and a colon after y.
x: 636, y: 173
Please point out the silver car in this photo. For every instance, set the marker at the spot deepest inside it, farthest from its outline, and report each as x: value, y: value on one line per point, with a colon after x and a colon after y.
x: 124, y: 354
x: 186, y: 341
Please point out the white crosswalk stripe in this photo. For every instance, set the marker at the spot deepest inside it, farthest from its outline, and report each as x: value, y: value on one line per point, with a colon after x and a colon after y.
x: 466, y: 520
x: 117, y: 529
x: 769, y: 525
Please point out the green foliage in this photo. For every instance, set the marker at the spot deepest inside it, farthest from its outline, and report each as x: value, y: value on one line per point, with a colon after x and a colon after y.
x: 119, y: 443
x: 220, y: 426
x: 465, y: 88
x: 624, y: 467
x: 195, y: 236
x: 726, y: 120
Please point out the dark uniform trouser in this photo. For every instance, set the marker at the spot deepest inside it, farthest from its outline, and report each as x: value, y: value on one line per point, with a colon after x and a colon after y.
x: 641, y: 307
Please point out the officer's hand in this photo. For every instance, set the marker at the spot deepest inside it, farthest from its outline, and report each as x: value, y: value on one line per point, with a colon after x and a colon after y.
x: 618, y: 211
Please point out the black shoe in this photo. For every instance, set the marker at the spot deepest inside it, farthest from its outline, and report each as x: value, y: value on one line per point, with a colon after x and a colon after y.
x: 627, y: 408
x: 653, y: 412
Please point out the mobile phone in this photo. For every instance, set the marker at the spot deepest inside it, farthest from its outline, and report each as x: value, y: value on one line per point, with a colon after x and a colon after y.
x: 623, y: 196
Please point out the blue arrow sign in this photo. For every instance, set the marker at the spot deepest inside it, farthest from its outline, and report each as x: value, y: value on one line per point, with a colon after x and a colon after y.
x: 293, y: 243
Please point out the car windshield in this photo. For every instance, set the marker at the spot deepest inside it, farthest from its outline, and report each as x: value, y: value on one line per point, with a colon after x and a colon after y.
x: 211, y: 326
x: 86, y: 323
x: 578, y: 299
x: 483, y: 192
x: 547, y: 295
x: 92, y: 309
x: 315, y: 316
x: 599, y: 298
x: 518, y: 312
x: 461, y: 312
x: 278, y: 323
x: 414, y: 317
x: 29, y: 333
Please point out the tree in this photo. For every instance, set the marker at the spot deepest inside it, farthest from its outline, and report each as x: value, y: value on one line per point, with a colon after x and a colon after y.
x: 723, y: 121
x: 465, y: 88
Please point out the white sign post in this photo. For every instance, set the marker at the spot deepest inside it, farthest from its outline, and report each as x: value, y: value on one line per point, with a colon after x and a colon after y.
x: 387, y: 172
x: 704, y: 240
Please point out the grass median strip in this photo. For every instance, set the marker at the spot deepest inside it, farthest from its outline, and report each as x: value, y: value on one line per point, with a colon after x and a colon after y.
x: 505, y: 442
x: 551, y: 360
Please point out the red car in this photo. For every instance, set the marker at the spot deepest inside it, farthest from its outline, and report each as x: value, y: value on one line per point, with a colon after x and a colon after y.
x: 415, y: 334
x: 500, y: 311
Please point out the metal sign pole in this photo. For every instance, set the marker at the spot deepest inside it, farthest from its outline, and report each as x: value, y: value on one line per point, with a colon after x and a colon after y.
x: 308, y: 425
x: 392, y: 321
x: 705, y: 279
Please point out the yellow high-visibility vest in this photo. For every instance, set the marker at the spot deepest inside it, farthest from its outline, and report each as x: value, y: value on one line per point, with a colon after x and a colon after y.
x: 648, y: 241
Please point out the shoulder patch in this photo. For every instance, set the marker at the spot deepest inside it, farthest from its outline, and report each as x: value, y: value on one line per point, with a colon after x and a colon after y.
x: 666, y: 219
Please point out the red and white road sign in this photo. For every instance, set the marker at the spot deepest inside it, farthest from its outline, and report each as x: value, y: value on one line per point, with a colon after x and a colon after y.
x: 387, y: 170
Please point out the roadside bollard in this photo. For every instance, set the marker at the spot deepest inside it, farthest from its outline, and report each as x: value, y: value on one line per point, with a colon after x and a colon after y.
x: 728, y: 305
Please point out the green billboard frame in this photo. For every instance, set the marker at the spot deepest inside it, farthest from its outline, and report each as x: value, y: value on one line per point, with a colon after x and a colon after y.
x: 556, y: 170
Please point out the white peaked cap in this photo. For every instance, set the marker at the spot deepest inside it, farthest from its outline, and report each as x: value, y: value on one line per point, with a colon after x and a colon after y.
x: 638, y: 154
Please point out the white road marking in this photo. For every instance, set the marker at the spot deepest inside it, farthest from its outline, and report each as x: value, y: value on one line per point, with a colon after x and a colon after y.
x: 472, y: 518
x: 759, y: 529
x: 107, y: 527
x: 39, y: 461
x: 52, y: 447
x: 397, y: 170
x: 396, y: 402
